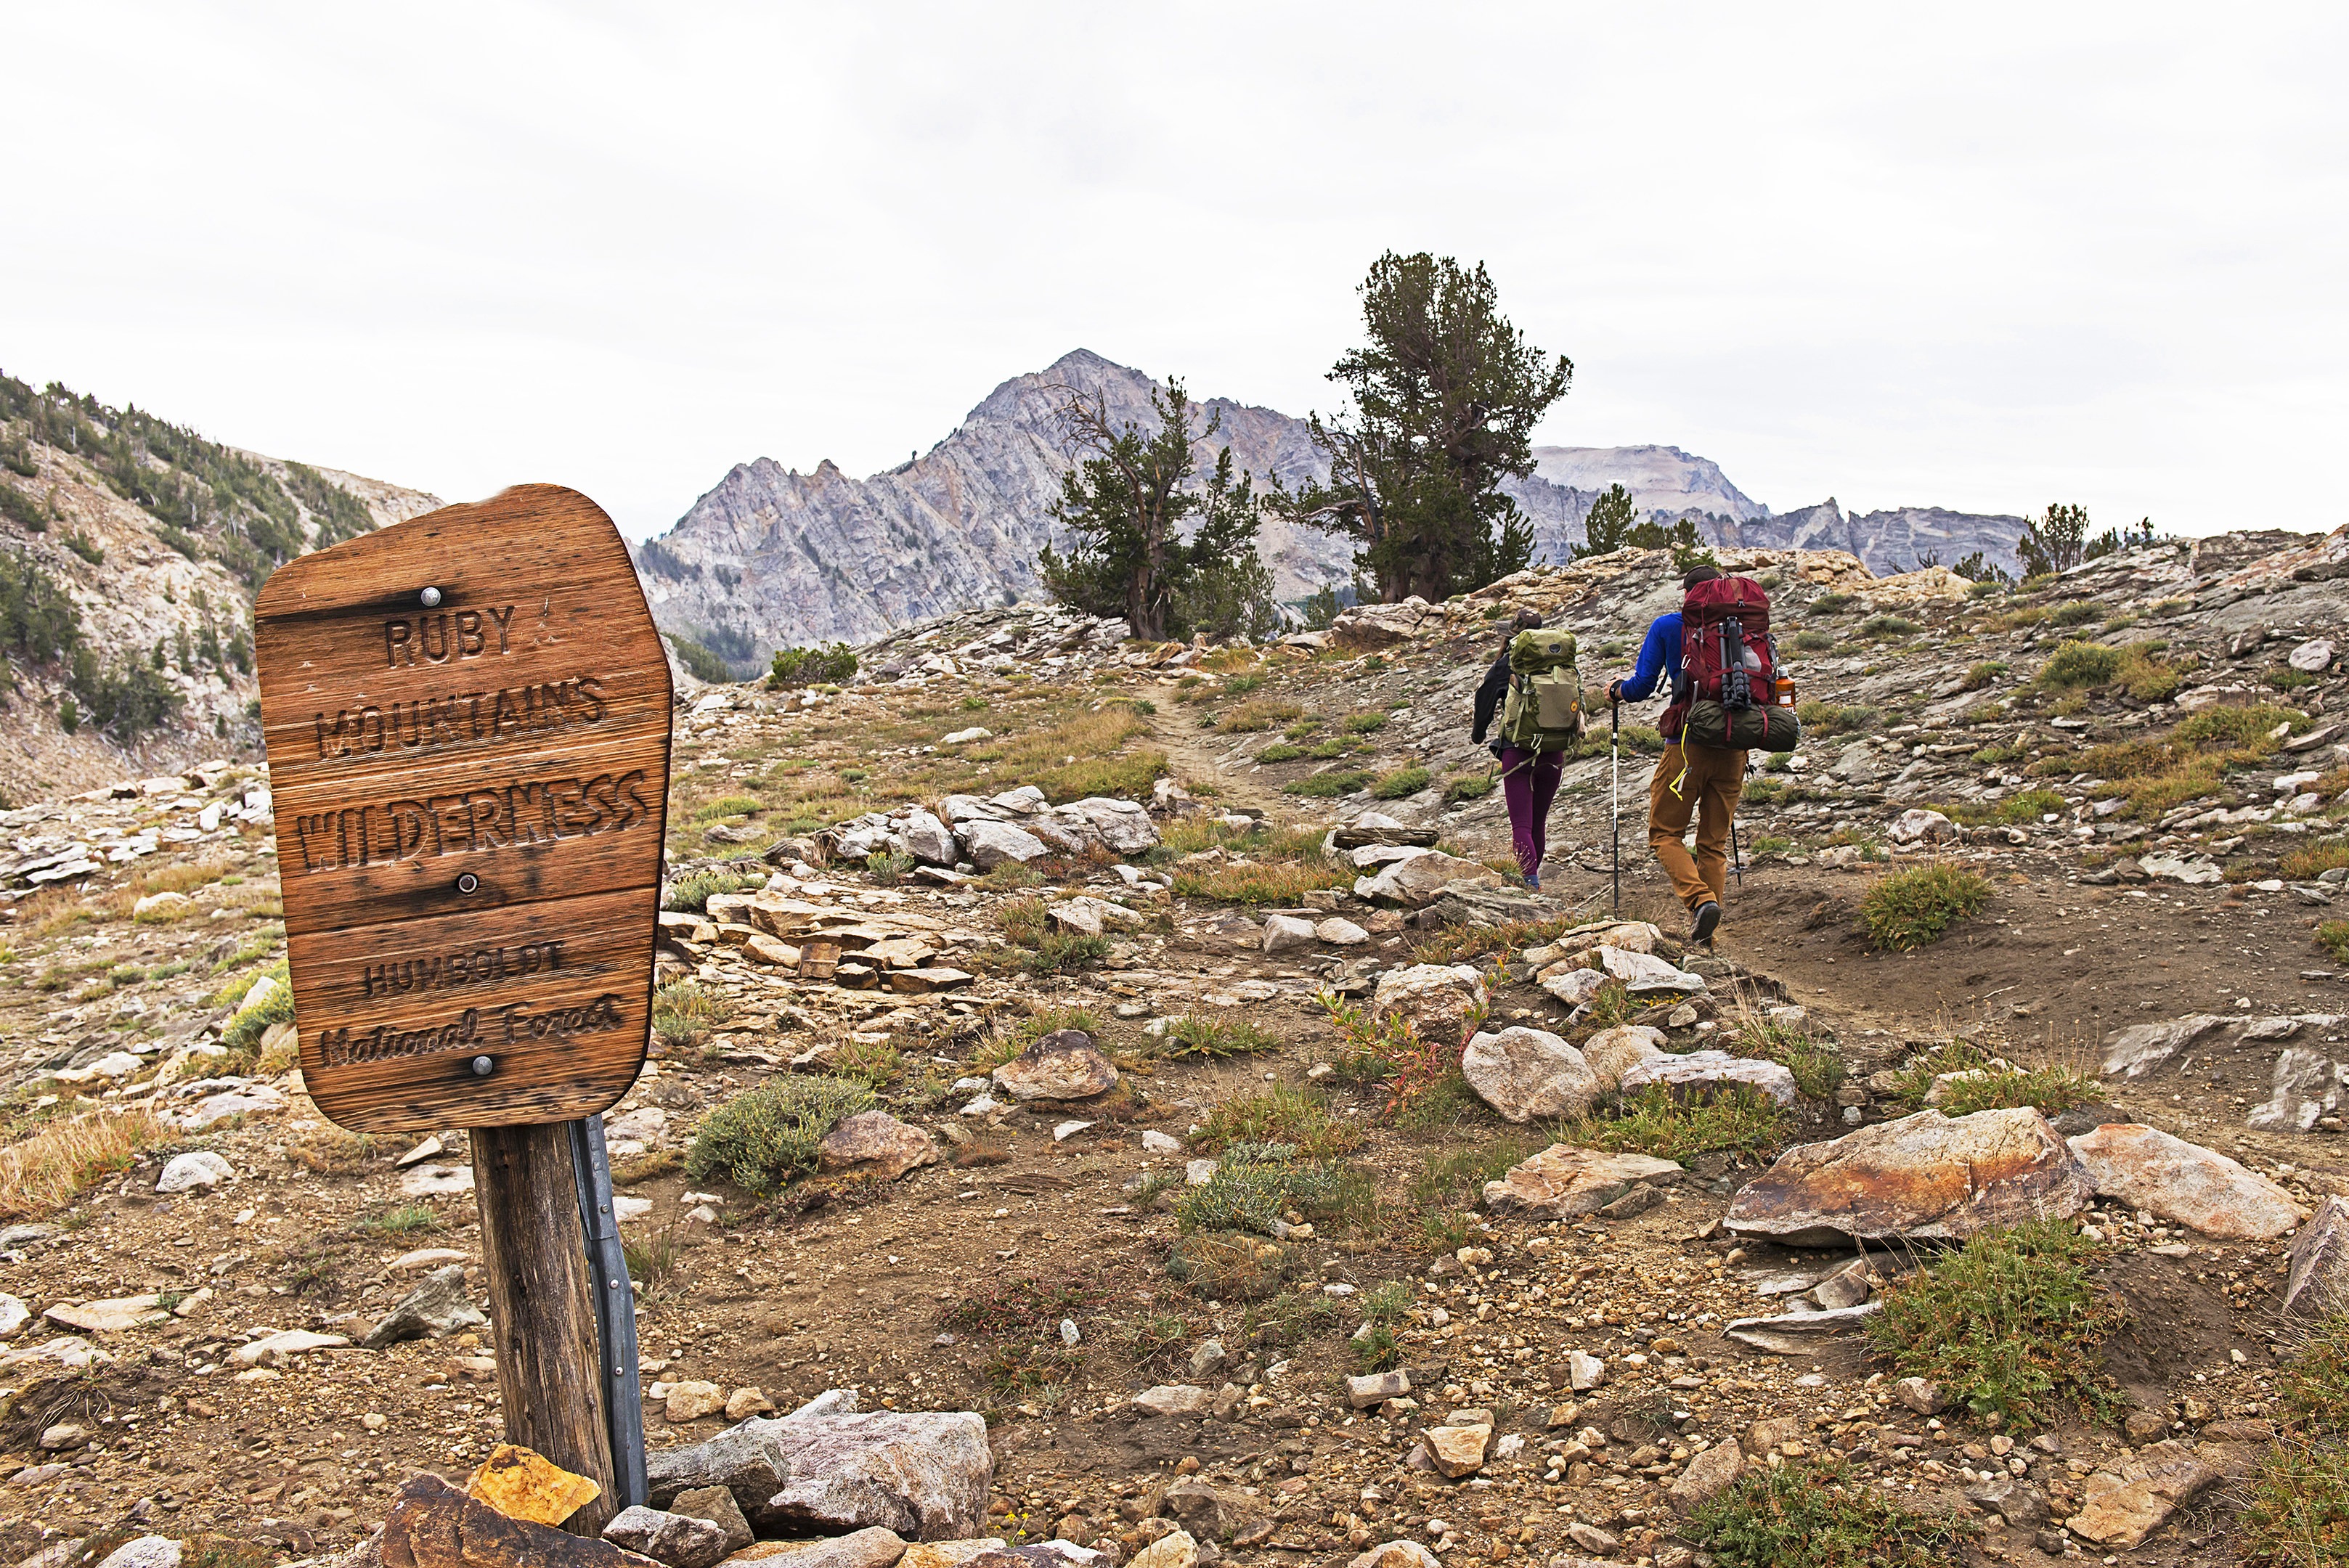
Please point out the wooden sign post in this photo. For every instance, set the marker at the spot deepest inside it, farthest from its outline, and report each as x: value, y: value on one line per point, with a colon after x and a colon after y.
x: 468, y: 722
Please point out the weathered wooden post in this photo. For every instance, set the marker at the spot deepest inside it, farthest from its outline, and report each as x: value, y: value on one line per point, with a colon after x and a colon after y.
x: 468, y: 723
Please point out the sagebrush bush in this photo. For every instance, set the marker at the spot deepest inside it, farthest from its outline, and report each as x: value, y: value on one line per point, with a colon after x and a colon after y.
x: 1913, y: 908
x: 2007, y: 1324
x: 1818, y: 1516
x: 764, y: 1140
x: 2081, y: 665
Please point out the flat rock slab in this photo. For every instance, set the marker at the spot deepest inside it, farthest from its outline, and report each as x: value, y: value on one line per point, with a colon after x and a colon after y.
x: 2121, y: 1508
x: 922, y: 1474
x: 2198, y: 1187
x: 1419, y: 881
x: 1435, y: 997
x: 1613, y: 1052
x: 1458, y: 1451
x: 1709, y: 1071
x: 1926, y: 1177
x: 2140, y: 1048
x: 1563, y: 1180
x: 431, y: 1524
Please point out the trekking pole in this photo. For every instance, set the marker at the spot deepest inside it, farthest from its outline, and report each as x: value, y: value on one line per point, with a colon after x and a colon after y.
x: 1737, y: 858
x: 1615, y: 793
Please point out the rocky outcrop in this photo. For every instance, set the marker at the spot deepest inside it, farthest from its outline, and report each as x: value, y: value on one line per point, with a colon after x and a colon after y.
x: 1562, y: 1182
x: 1925, y: 1177
x: 925, y: 1476
x: 1527, y: 1074
x: 2198, y: 1187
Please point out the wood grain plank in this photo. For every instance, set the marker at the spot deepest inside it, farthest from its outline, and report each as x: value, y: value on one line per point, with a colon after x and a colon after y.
x: 482, y: 775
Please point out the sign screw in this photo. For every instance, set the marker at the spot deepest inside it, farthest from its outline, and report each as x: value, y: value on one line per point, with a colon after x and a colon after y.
x: 431, y: 597
x: 468, y: 883
x: 481, y: 1065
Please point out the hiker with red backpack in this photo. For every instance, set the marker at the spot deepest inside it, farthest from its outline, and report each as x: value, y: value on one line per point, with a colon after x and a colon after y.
x: 1729, y: 696
x: 1534, y: 689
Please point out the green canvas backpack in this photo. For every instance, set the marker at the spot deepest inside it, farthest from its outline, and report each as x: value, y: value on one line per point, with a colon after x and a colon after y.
x: 1544, y: 711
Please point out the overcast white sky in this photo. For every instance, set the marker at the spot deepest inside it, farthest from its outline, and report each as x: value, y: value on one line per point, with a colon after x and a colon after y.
x: 1983, y: 257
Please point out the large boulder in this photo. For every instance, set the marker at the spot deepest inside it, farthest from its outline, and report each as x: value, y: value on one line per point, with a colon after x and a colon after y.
x: 1527, y: 1074
x: 1062, y: 1065
x: 2198, y: 1187
x: 924, y: 1475
x: 1122, y: 826
x: 873, y: 1142
x: 927, y: 839
x: 1381, y: 625
x: 1436, y: 997
x: 1420, y: 880
x: 1613, y: 1052
x: 1926, y: 1177
x: 1562, y: 1182
x: 991, y: 843
x: 1697, y: 1073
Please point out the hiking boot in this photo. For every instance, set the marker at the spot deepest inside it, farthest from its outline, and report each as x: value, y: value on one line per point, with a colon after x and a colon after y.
x: 1708, y: 918
x: 1532, y: 882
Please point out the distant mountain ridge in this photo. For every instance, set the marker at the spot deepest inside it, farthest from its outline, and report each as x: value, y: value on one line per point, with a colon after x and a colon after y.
x: 770, y: 557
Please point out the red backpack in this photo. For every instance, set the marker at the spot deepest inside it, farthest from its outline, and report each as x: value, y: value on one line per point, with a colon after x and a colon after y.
x: 1729, y: 693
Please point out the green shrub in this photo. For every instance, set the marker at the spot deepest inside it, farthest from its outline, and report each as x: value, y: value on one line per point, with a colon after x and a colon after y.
x: 2081, y: 665
x: 1818, y: 1070
x: 2234, y: 726
x: 1249, y: 717
x: 1818, y: 1516
x: 1832, y: 603
x: 1255, y: 1187
x: 1205, y: 1037
x: 2079, y: 613
x: 683, y: 1013
x: 81, y: 545
x: 1399, y: 782
x: 1330, y: 785
x: 1366, y: 723
x: 1298, y: 1117
x: 1812, y: 642
x: 2029, y: 805
x: 1656, y: 1123
x: 1827, y: 719
x: 1280, y: 751
x: 1467, y: 787
x: 1642, y: 737
x: 690, y: 894
x: 1887, y: 626
x: 244, y: 1030
x: 825, y: 665
x: 2007, y: 1324
x: 1912, y: 909
x: 728, y: 806
x: 764, y: 1140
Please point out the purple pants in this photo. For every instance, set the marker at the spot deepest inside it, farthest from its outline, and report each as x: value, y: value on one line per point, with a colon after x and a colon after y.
x: 1529, y: 783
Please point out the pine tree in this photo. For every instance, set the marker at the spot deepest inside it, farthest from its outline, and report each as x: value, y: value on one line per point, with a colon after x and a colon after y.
x: 1445, y: 396
x: 1125, y: 506
x: 1607, y: 528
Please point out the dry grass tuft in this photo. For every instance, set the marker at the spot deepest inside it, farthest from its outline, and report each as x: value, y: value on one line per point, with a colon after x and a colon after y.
x: 68, y: 1156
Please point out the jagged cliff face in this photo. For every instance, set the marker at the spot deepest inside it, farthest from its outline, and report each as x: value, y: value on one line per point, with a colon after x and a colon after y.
x: 1888, y: 542
x: 137, y: 582
x: 772, y: 557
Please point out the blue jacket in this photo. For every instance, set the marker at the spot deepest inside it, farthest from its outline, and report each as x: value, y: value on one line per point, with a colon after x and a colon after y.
x: 1659, y: 658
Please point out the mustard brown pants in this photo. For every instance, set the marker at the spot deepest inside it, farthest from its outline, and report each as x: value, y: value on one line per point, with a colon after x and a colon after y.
x: 1702, y: 783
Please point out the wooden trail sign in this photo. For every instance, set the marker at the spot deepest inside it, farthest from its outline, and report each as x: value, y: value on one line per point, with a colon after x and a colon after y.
x: 468, y: 722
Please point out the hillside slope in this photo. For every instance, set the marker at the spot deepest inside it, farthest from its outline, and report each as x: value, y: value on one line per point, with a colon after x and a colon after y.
x: 132, y: 550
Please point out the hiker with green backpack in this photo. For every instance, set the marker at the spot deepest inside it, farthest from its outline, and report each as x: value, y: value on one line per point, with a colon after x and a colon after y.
x: 1535, y: 690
